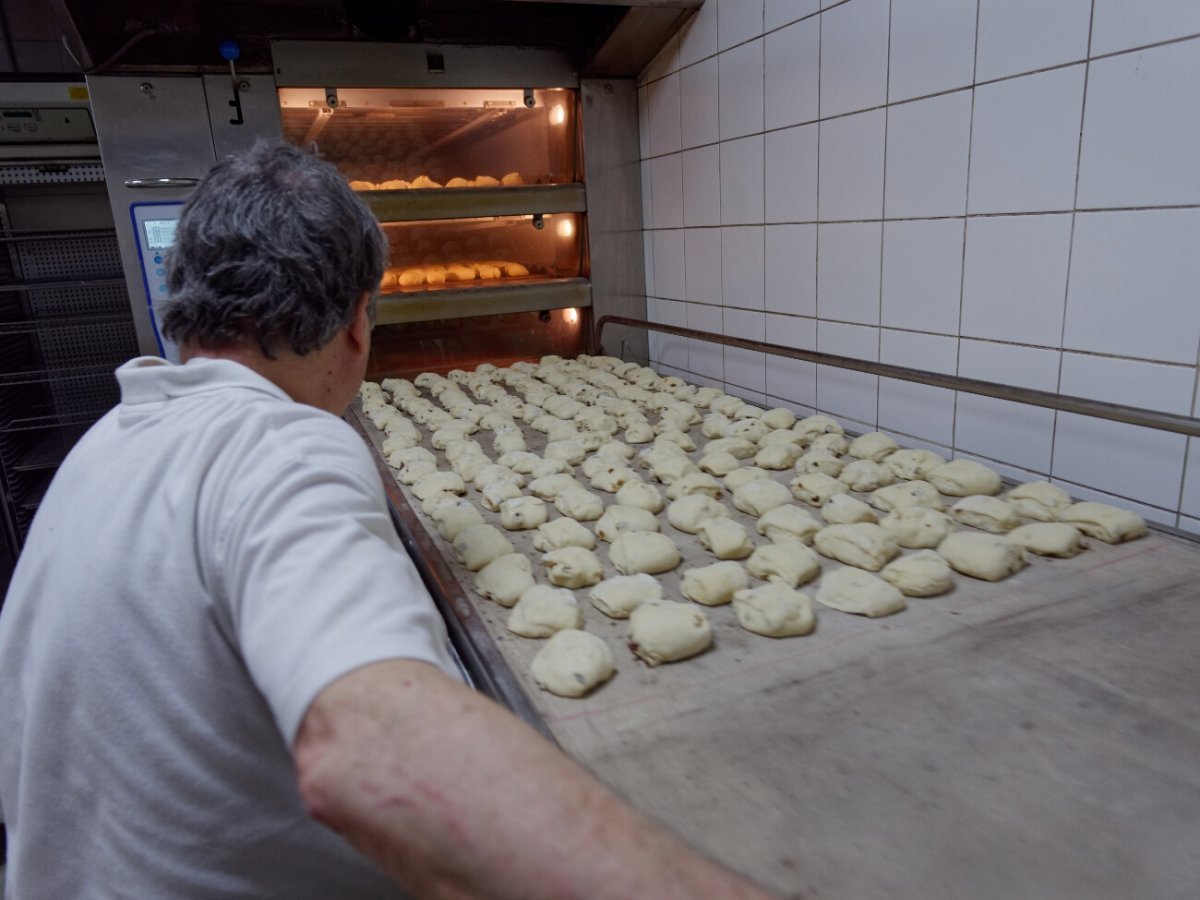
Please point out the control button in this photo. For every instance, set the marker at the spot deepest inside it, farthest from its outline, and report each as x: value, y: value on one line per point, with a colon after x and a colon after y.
x: 162, y: 288
x: 160, y: 271
x: 158, y: 259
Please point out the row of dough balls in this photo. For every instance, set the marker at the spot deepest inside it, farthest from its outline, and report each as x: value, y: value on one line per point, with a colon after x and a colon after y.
x: 855, y: 592
x: 511, y: 179
x: 436, y: 274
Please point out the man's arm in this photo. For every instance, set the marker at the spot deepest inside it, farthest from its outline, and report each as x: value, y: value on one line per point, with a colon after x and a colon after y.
x: 453, y: 796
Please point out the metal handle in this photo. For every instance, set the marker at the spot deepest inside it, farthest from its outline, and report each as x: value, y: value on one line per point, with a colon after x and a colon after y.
x: 143, y: 183
x: 1132, y: 415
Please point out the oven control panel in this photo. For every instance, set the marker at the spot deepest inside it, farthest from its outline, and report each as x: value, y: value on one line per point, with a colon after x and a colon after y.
x: 154, y: 227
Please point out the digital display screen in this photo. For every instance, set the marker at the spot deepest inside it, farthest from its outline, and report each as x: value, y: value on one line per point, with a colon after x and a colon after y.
x: 160, y: 233
x: 18, y: 114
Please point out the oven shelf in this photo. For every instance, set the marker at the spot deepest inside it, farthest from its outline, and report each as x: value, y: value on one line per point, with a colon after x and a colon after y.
x: 423, y: 204
x: 459, y: 303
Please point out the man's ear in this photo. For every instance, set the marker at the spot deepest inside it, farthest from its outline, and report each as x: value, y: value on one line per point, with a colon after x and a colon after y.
x: 360, y: 326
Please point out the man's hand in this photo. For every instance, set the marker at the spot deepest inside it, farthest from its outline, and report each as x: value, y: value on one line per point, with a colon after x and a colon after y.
x: 453, y: 796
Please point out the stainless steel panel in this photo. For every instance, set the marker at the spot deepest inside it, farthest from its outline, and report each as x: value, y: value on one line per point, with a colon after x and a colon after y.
x: 260, y: 112
x: 357, y: 64
x: 610, y: 146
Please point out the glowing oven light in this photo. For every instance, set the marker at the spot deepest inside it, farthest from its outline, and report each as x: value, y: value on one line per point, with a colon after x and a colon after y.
x: 566, y: 228
x: 571, y: 315
x: 558, y: 115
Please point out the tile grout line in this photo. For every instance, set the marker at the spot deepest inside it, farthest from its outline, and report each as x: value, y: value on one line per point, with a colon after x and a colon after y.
x: 1062, y: 335
x: 817, y: 225
x: 887, y: 88
x: 962, y: 269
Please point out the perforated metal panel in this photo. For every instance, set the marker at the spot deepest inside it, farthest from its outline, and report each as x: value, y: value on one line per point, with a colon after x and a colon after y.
x: 58, y: 258
x: 51, y: 173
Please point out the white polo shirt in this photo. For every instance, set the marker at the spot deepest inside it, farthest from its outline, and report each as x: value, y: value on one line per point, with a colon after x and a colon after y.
x: 209, y: 557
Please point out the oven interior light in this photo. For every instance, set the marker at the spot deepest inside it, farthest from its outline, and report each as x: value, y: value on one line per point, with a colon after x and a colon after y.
x: 565, y: 228
x: 571, y: 315
x: 558, y: 115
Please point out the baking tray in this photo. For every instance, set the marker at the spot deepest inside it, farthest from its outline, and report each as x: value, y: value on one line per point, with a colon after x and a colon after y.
x: 1034, y: 737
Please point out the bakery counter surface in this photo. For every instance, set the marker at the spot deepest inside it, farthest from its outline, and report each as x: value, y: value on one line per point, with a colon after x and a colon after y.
x: 1035, y: 737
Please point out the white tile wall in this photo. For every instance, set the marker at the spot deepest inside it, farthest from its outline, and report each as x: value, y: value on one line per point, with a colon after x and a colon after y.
x: 922, y: 259
x: 702, y: 186
x: 894, y: 179
x: 791, y: 270
x: 1141, y: 134
x: 792, y: 74
x: 791, y: 160
x: 854, y: 47
x: 851, y: 167
x: 932, y: 47
x: 698, y: 95
x: 927, y: 143
x: 848, y: 271
x: 1015, y: 278
x: 1025, y: 142
x: 1023, y: 35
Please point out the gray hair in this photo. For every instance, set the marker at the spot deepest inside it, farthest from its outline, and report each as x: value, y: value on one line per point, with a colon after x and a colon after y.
x: 273, y: 246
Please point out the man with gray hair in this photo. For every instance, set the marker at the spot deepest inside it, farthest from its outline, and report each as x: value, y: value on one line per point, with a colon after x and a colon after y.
x: 220, y: 675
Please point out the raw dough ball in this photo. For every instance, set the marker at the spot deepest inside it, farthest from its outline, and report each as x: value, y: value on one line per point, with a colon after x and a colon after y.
x: 865, y: 475
x: 842, y: 509
x: 564, y: 532
x: 620, y: 595
x: 688, y: 513
x: 548, y: 486
x: 874, y: 445
x: 740, y: 477
x: 572, y: 567
x: 439, y: 481
x: 505, y: 578
x: 814, y: 426
x: 777, y: 456
x: 783, y: 436
x: 580, y: 504
x: 714, y: 585
x: 1049, y: 539
x: 1039, y: 500
x: 471, y: 464
x: 758, y: 497
x: 519, y: 461
x: 858, y: 592
x: 923, y: 574
x: 412, y: 472
x: 678, y: 438
x: 569, y: 451
x: 668, y: 632
x: 987, y: 556
x: 695, y: 483
x: 986, y: 513
x: 478, y: 545
x: 834, y: 444
x: 917, y: 526
x: 615, y: 450
x: 863, y: 545
x: 671, y: 469
x: 774, y: 610
x: 399, y: 456
x: 816, y: 488
x: 779, y: 418
x: 639, y: 494
x: 522, y: 513
x: 643, y: 551
x: 719, y: 464
x: 572, y: 663
x: 913, y: 465
x: 788, y: 561
x: 962, y: 477
x: 726, y: 539
x: 910, y: 493
x: 509, y: 442
x: 789, y: 522
x: 435, y: 502
x: 738, y: 447
x: 544, y: 610
x: 639, y: 433
x: 819, y: 461
x: 546, y: 467
x: 715, y: 425
x: 612, y: 478
x: 618, y: 519
x: 497, y: 492
x: 452, y: 518
x: 1103, y: 522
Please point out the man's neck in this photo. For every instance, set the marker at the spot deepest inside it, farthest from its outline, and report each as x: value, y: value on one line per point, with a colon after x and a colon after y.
x: 309, y: 379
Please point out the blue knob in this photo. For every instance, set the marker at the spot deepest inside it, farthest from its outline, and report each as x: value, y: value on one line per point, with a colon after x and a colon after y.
x: 229, y: 50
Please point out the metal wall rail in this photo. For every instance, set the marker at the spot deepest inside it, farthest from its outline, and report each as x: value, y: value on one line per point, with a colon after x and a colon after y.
x: 1132, y: 415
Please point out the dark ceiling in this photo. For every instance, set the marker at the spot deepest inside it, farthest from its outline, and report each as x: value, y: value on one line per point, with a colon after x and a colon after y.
x: 131, y: 35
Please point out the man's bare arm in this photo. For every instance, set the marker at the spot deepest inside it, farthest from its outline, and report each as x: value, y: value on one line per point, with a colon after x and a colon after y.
x: 453, y: 796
